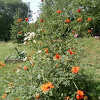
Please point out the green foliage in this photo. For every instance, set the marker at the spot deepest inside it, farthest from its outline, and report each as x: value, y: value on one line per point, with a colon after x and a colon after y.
x: 54, y: 23
x: 43, y: 68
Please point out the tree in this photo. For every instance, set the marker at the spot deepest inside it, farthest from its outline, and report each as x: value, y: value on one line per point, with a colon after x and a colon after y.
x: 7, y: 13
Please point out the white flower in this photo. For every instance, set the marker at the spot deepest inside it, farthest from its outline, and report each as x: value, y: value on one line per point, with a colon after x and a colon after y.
x: 38, y: 30
x: 39, y: 51
x: 34, y: 41
x: 17, y: 71
x: 32, y: 35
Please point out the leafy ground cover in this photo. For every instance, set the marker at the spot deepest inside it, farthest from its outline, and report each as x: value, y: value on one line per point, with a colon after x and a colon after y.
x: 91, y: 59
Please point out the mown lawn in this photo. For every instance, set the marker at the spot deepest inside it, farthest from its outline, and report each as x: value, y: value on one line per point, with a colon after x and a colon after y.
x: 91, y: 60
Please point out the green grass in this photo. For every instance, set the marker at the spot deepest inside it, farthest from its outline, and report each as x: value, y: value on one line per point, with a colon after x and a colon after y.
x: 7, y: 48
x: 91, y: 60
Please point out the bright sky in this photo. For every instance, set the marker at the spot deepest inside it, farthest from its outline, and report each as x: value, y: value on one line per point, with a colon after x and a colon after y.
x: 34, y: 7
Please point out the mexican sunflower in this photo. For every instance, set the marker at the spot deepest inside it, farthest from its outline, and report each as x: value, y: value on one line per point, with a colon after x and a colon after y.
x: 41, y: 0
x: 59, y: 11
x: 40, y: 43
x: 26, y: 19
x: 67, y: 21
x: 2, y: 65
x: 89, y: 31
x: 10, y: 84
x: 20, y: 32
x: 17, y: 99
x: 19, y: 20
x: 78, y: 10
x: 79, y: 19
x: 43, y: 30
x: 75, y: 69
x: 89, y: 19
x: 41, y: 20
x: 47, y: 86
x: 71, y: 52
x: 46, y: 50
x: 57, y: 56
x: 79, y: 95
x: 25, y: 68
x: 4, y: 96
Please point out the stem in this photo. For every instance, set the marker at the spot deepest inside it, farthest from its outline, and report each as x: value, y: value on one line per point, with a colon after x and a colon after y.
x: 75, y: 85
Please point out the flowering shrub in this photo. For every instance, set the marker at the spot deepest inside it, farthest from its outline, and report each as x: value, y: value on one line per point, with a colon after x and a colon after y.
x: 18, y: 29
x: 29, y: 36
x: 60, y: 21
x: 52, y: 70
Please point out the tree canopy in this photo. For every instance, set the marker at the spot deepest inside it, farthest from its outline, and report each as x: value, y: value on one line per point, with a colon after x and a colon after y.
x: 8, y: 10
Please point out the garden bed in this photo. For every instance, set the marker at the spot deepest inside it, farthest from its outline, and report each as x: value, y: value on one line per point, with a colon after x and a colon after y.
x: 9, y: 60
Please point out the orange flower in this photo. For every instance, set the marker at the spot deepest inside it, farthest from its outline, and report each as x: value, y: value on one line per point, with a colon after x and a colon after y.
x: 57, y: 56
x: 79, y: 95
x: 18, y: 66
x: 20, y: 32
x: 29, y: 57
x: 26, y: 42
x: 79, y: 19
x: 89, y: 31
x: 75, y: 69
x: 2, y: 65
x: 43, y: 30
x: 89, y: 19
x: 4, y: 96
x: 41, y: 20
x: 45, y: 87
x: 40, y: 43
x: 46, y: 50
x: 67, y: 21
x: 26, y: 19
x: 67, y: 98
x: 25, y: 68
x: 71, y: 52
x: 10, y: 84
x: 41, y: 0
x: 57, y: 65
x: 78, y: 10
x: 17, y: 99
x: 19, y: 20
x: 59, y: 11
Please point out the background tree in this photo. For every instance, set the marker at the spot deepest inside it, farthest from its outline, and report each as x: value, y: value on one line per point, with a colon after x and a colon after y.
x: 7, y: 13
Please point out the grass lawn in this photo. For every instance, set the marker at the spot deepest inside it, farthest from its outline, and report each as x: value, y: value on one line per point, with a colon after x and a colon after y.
x: 91, y: 61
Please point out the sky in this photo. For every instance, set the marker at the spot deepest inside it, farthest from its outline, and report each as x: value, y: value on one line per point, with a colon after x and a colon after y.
x: 34, y: 7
